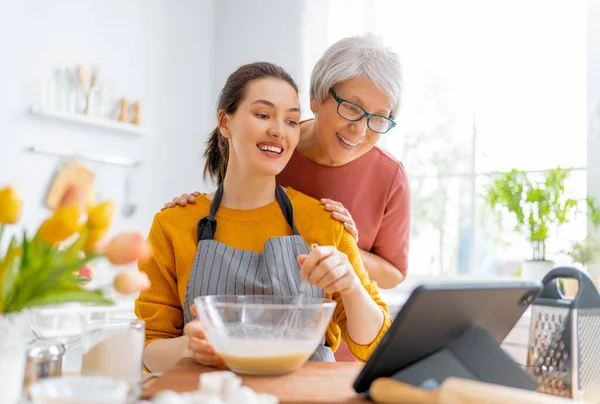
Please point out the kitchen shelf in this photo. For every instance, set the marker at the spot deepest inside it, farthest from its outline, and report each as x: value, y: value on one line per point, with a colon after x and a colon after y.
x: 95, y: 121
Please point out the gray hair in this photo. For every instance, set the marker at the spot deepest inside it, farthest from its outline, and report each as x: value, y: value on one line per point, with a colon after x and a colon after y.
x: 362, y: 55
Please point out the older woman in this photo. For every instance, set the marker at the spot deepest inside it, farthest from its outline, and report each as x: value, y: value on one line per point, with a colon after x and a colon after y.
x: 355, y: 96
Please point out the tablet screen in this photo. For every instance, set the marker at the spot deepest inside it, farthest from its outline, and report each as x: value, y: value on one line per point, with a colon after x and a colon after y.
x: 434, y: 315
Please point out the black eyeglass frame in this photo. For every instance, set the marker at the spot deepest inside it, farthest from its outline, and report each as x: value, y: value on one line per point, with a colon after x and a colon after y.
x: 365, y: 113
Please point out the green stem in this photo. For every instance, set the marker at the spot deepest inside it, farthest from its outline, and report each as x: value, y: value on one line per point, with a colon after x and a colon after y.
x: 77, y: 246
x: 543, y: 251
x: 2, y: 227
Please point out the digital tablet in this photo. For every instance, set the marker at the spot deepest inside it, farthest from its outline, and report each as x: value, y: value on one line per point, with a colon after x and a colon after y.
x: 435, y: 315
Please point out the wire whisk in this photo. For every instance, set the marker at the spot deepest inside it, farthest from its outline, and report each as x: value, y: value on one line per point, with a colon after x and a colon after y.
x: 291, y: 319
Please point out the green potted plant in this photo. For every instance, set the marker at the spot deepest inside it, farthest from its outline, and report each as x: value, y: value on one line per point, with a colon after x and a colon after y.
x: 586, y: 253
x: 538, y: 204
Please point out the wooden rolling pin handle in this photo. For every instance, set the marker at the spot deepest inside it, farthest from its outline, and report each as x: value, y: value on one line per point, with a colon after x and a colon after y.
x: 389, y: 391
x: 463, y: 391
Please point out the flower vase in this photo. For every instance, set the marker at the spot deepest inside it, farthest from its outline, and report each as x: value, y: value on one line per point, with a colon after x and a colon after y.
x: 14, y: 336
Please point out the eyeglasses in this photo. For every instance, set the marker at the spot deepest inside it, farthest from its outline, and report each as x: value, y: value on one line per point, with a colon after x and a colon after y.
x: 354, y: 112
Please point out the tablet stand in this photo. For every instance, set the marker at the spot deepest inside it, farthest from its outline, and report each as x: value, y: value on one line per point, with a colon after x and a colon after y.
x: 475, y: 355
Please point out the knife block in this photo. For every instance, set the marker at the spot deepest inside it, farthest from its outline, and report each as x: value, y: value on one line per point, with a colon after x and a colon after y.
x: 475, y: 355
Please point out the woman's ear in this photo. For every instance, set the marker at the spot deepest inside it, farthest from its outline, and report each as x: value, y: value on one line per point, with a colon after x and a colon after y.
x: 223, y: 124
x: 314, y: 105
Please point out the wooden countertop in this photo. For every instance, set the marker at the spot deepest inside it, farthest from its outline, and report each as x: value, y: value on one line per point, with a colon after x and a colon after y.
x: 315, y: 382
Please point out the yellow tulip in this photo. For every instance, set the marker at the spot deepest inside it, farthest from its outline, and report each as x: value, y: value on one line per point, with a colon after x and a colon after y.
x: 126, y: 248
x: 95, y: 235
x: 100, y: 215
x: 62, y: 225
x: 10, y: 206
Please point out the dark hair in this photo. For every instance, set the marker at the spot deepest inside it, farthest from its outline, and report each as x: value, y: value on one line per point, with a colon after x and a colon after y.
x: 217, y: 147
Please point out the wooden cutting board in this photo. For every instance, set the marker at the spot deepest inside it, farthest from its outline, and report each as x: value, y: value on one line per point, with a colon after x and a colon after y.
x: 315, y: 382
x: 71, y: 173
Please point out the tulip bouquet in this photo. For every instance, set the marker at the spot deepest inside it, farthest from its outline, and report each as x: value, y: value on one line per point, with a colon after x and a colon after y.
x: 44, y: 269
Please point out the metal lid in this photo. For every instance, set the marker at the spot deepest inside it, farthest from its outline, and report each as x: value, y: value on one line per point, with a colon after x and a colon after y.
x: 46, y: 349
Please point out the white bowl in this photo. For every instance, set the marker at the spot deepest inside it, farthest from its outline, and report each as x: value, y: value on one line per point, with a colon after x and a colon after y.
x: 264, y: 335
x: 79, y: 390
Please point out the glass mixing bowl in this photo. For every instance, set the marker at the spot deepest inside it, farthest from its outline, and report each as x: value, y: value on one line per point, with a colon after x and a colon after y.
x: 264, y: 335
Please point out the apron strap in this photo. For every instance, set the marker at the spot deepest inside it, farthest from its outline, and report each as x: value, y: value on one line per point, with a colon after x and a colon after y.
x: 207, y: 226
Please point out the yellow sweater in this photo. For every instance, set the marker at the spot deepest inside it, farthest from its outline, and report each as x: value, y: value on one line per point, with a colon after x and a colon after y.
x: 174, y: 241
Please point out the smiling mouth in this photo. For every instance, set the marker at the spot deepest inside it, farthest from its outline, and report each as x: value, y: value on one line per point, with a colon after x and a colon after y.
x: 346, y: 141
x: 272, y: 149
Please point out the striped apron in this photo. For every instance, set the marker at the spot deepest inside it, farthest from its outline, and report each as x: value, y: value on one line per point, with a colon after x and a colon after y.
x: 221, y: 270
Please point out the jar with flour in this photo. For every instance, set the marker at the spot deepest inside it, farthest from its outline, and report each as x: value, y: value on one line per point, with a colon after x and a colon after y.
x: 114, y: 348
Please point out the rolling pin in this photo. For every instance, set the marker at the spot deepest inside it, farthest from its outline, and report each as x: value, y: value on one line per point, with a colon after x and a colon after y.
x: 456, y: 391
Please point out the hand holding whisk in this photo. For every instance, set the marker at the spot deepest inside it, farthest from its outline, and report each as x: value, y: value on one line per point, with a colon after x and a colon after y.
x: 329, y: 269
x: 292, y: 317
x: 326, y: 268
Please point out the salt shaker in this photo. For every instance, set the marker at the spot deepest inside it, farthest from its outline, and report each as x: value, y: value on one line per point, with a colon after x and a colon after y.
x: 44, y: 359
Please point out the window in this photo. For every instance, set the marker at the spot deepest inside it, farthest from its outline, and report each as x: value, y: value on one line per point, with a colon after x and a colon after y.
x: 488, y: 86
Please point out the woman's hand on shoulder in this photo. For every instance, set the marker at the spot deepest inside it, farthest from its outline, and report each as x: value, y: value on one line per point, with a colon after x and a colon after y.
x: 182, y: 200
x: 340, y: 213
x: 329, y: 269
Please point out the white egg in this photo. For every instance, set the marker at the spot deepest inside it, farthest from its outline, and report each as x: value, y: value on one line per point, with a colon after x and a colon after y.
x: 243, y: 395
x: 229, y: 387
x: 168, y: 397
x: 221, y: 387
x: 221, y: 383
x: 264, y: 398
x: 198, y: 397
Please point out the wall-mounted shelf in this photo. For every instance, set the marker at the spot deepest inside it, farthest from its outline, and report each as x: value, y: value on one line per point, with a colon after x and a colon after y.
x: 128, y: 128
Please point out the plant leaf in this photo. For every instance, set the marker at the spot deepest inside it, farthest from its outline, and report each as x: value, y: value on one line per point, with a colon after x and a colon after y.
x: 8, y: 271
x: 11, y: 253
x: 62, y: 296
x: 2, y: 227
x: 26, y: 254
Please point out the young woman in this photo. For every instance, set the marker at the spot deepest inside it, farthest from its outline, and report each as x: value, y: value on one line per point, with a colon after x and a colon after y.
x: 215, y: 245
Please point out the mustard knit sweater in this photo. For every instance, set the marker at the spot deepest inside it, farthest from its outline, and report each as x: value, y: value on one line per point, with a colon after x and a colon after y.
x: 174, y: 242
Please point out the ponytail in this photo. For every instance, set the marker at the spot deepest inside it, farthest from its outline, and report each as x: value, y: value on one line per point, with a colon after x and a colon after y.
x: 217, y: 155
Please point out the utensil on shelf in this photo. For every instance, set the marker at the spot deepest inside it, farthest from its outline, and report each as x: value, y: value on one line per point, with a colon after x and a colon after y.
x: 129, y: 207
x: 70, y: 172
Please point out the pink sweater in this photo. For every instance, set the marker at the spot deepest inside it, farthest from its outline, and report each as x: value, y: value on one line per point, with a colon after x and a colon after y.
x: 375, y: 190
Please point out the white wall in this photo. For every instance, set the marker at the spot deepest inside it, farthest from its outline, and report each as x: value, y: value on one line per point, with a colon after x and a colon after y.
x: 250, y: 31
x: 156, y: 51
x: 289, y: 33
x: 593, y: 76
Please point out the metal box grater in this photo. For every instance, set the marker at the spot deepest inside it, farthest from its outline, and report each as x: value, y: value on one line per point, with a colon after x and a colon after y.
x: 564, y: 338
